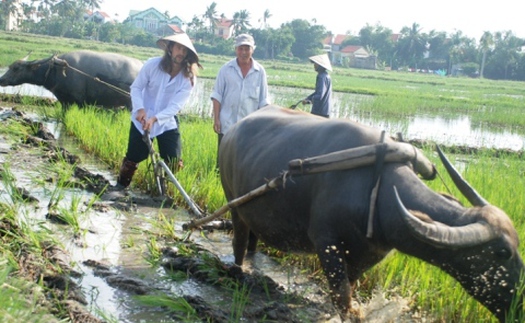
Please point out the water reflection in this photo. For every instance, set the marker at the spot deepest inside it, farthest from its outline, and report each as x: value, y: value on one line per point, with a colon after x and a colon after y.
x: 451, y: 131
x: 458, y: 130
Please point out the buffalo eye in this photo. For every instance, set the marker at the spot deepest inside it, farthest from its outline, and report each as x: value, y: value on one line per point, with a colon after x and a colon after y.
x: 504, y: 253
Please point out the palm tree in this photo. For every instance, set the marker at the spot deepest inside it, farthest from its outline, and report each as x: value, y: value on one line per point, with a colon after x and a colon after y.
x: 196, y: 27
x: 241, y: 22
x: 91, y: 4
x: 412, y: 45
x: 486, y: 42
x: 506, y: 52
x: 68, y: 9
x: 44, y: 7
x: 211, y: 15
x: 266, y: 15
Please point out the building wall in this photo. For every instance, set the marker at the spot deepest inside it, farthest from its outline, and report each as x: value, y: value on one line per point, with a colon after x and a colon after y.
x: 14, y: 19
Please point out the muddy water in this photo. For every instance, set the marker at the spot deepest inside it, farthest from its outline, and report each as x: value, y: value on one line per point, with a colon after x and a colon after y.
x: 450, y: 131
x: 117, y: 240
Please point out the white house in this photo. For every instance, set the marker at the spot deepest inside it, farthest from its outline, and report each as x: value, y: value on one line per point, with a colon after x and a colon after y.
x: 151, y: 20
x: 223, y: 28
x: 14, y: 19
x: 98, y: 16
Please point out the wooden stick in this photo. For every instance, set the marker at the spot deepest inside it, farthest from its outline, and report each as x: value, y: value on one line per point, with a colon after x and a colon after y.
x: 272, y: 184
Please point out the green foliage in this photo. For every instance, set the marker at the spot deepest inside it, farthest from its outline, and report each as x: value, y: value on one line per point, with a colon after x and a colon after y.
x: 219, y: 46
x: 20, y: 298
x: 470, y: 69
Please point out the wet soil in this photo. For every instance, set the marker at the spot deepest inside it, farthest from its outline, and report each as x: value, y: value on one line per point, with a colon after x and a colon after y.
x: 197, y: 272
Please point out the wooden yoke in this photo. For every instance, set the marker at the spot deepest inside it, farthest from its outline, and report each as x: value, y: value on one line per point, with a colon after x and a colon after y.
x: 396, y: 152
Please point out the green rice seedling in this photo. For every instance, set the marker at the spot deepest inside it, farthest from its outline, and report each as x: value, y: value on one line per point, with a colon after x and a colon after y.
x: 9, y: 183
x: 177, y: 276
x: 185, y: 249
x: 154, y: 254
x: 13, y: 129
x: 517, y: 311
x: 61, y: 170
x: 49, y: 112
x: 71, y: 215
x: 214, y: 269
x: 178, y: 307
x: 20, y: 299
x: 165, y: 227
x: 129, y: 242
x: 108, y: 318
x: 241, y: 297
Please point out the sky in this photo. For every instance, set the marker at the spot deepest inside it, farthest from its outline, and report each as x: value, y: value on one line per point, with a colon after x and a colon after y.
x: 340, y: 17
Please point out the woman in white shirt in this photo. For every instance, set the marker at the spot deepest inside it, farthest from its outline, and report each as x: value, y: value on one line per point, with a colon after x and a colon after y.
x: 159, y: 92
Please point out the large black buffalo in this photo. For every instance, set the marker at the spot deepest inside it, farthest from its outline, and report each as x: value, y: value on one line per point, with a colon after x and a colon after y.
x: 327, y: 213
x: 79, y: 77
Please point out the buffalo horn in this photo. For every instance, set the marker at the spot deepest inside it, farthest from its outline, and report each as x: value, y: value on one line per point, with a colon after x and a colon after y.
x: 464, y: 187
x: 441, y: 235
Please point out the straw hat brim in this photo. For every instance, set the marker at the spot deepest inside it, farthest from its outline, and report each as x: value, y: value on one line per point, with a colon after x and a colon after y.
x: 181, y: 38
x: 321, y: 60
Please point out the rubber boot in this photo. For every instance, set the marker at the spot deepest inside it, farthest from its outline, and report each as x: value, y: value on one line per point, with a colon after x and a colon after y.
x: 127, y: 170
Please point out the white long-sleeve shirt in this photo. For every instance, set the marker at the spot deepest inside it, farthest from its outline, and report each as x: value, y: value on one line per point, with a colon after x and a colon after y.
x: 153, y: 91
x: 239, y: 96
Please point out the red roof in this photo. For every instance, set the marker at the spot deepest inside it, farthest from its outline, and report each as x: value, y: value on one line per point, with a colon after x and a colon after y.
x: 334, y: 39
x: 350, y: 49
x: 103, y: 14
x: 338, y: 39
x: 395, y: 37
x: 176, y: 29
x: 224, y: 22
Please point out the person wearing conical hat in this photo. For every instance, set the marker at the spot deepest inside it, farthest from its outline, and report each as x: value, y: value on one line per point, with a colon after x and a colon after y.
x: 160, y: 91
x: 321, y: 98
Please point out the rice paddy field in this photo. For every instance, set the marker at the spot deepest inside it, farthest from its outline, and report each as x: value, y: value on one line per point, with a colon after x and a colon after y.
x: 498, y: 176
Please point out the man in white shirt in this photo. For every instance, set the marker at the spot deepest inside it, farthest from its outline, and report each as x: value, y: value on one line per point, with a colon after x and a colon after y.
x: 240, y: 88
x: 159, y: 92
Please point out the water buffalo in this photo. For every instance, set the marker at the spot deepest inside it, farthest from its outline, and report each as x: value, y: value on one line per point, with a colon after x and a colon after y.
x: 327, y: 213
x: 79, y: 77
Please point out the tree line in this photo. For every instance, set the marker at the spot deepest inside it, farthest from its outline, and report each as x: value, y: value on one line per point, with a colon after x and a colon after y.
x: 496, y: 55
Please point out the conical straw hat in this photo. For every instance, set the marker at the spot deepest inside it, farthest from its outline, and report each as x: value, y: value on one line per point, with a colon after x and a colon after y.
x: 321, y: 60
x: 181, y: 38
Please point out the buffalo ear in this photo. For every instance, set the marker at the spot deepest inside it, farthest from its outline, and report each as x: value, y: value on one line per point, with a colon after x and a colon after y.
x: 27, y: 56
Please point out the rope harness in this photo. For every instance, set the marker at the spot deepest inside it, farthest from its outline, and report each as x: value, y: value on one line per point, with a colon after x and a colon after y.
x: 378, y: 168
x: 58, y: 62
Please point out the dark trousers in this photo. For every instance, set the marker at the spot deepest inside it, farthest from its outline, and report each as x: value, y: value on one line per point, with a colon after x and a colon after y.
x: 169, y: 143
